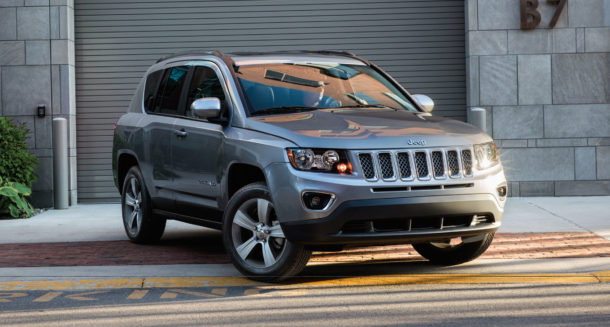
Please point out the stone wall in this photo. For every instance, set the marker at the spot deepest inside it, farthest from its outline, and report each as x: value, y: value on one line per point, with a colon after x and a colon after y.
x: 546, y: 92
x: 37, y: 67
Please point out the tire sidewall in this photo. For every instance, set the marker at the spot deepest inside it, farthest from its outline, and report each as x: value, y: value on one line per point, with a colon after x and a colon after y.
x: 251, y: 191
x: 145, y: 204
x: 461, y: 253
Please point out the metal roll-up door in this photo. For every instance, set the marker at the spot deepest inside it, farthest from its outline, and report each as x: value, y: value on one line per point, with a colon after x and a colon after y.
x: 419, y: 42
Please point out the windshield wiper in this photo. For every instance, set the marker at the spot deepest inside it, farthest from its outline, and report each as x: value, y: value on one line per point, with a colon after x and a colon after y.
x: 283, y: 110
x: 367, y: 106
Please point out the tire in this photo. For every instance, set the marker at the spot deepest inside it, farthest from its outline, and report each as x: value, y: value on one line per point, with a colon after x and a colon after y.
x: 452, y: 254
x: 254, y: 239
x: 140, y: 224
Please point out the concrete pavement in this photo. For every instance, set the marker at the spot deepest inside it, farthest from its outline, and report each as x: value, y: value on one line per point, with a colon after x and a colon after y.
x: 586, y: 220
x: 102, y: 222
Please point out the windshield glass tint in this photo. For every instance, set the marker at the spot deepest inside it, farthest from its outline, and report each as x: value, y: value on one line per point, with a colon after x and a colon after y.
x: 315, y: 85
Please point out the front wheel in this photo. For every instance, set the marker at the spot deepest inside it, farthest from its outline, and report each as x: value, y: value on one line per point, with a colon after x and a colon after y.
x: 447, y: 254
x: 254, y: 239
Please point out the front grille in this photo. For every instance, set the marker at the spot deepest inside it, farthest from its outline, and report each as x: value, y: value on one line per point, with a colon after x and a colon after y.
x: 452, y: 163
x: 366, y: 162
x: 421, y: 165
x: 416, y: 164
x: 437, y: 163
x: 404, y: 164
x: 385, y: 164
x: 467, y: 162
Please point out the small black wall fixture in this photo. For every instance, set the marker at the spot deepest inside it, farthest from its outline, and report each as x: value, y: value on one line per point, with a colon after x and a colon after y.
x: 41, y: 110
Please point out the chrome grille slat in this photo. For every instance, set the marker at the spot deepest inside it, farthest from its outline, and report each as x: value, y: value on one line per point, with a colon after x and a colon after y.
x: 452, y: 163
x: 404, y: 165
x: 467, y: 162
x: 368, y: 168
x: 385, y: 164
x: 421, y: 165
x: 437, y: 164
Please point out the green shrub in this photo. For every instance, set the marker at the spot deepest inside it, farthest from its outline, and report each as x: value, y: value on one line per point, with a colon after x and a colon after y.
x: 13, y: 201
x: 17, y: 167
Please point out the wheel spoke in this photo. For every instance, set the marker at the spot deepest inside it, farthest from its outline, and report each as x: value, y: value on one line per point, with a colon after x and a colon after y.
x: 139, y: 218
x: 129, y: 200
x: 242, y: 219
x: 132, y: 219
x: 263, y: 207
x: 268, y: 255
x: 245, y: 249
x: 276, y: 231
x: 133, y: 187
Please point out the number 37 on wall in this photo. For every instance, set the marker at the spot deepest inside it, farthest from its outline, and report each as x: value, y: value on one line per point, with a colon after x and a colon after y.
x: 530, y: 17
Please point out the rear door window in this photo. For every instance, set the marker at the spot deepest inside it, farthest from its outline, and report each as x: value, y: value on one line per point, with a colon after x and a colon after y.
x: 168, y: 96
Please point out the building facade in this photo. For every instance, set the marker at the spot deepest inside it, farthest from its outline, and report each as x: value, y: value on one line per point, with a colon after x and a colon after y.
x: 546, y: 90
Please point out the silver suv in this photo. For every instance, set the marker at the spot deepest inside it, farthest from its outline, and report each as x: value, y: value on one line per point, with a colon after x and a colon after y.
x: 289, y: 152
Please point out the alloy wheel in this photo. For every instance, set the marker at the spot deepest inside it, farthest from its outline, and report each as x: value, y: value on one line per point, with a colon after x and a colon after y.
x: 257, y: 236
x: 133, y: 206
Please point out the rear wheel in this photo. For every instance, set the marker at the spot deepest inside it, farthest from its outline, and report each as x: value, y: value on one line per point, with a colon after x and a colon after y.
x: 448, y: 253
x: 254, y: 239
x: 140, y: 224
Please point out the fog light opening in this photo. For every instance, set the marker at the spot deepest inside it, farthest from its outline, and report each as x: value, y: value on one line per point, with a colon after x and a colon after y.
x: 317, y: 200
x: 502, y: 190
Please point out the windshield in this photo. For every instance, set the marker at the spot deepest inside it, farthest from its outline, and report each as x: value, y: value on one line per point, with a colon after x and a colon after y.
x: 288, y: 87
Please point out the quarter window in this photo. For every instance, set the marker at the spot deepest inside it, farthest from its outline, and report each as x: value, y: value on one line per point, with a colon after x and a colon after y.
x: 152, y: 81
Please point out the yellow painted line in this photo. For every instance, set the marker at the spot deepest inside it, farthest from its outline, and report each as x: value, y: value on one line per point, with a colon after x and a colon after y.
x: 220, y: 283
x: 169, y: 295
x: 215, y: 293
x: 456, y: 279
x: 181, y: 282
x: 137, y: 294
x: 5, y: 297
x: 603, y: 276
x: 80, y: 284
x: 47, y: 297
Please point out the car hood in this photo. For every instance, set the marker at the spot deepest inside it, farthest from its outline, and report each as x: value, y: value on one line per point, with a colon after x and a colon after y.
x: 367, y: 129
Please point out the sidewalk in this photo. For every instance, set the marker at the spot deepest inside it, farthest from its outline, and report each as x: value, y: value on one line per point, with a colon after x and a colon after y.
x: 538, y: 235
x: 102, y: 222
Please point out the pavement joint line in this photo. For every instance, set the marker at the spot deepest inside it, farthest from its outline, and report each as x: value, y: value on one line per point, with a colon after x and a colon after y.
x: 318, y: 281
x: 561, y: 217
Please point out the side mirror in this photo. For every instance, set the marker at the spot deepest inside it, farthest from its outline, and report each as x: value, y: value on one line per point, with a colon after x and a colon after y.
x: 424, y: 101
x: 206, y: 108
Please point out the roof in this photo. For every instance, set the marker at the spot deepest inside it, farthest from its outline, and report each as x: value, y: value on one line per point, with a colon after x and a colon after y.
x: 245, y: 58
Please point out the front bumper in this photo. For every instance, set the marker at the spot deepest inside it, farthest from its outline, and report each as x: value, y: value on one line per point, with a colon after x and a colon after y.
x: 401, y: 211
x: 358, y: 202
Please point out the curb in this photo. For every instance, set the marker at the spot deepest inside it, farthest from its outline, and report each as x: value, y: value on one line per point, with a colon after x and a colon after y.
x: 186, y: 282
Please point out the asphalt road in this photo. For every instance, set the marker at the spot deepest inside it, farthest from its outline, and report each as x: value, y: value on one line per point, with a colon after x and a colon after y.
x: 390, y: 305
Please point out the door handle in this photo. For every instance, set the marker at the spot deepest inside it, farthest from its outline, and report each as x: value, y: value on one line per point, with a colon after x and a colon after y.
x: 180, y: 132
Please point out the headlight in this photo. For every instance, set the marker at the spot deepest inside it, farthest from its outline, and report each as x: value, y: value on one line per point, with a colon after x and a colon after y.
x: 333, y: 161
x: 486, y: 155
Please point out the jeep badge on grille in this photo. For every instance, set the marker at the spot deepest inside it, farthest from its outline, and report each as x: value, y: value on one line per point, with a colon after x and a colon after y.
x: 421, y: 142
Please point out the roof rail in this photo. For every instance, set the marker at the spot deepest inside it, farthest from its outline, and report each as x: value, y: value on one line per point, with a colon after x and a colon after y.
x: 217, y: 53
x: 334, y: 52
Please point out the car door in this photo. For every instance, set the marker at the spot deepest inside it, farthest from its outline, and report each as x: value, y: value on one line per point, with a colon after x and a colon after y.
x: 197, y: 149
x: 162, y: 107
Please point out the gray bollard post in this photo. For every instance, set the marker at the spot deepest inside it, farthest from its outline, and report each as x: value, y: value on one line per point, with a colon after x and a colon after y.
x: 478, y: 118
x: 60, y: 164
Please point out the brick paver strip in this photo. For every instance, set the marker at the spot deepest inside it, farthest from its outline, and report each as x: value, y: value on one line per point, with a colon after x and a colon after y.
x: 210, y: 250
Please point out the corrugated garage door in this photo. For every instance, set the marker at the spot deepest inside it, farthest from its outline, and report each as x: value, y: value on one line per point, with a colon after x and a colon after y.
x: 421, y: 43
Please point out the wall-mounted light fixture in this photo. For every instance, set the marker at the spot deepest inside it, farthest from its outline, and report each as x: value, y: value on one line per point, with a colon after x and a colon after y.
x: 41, y: 110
